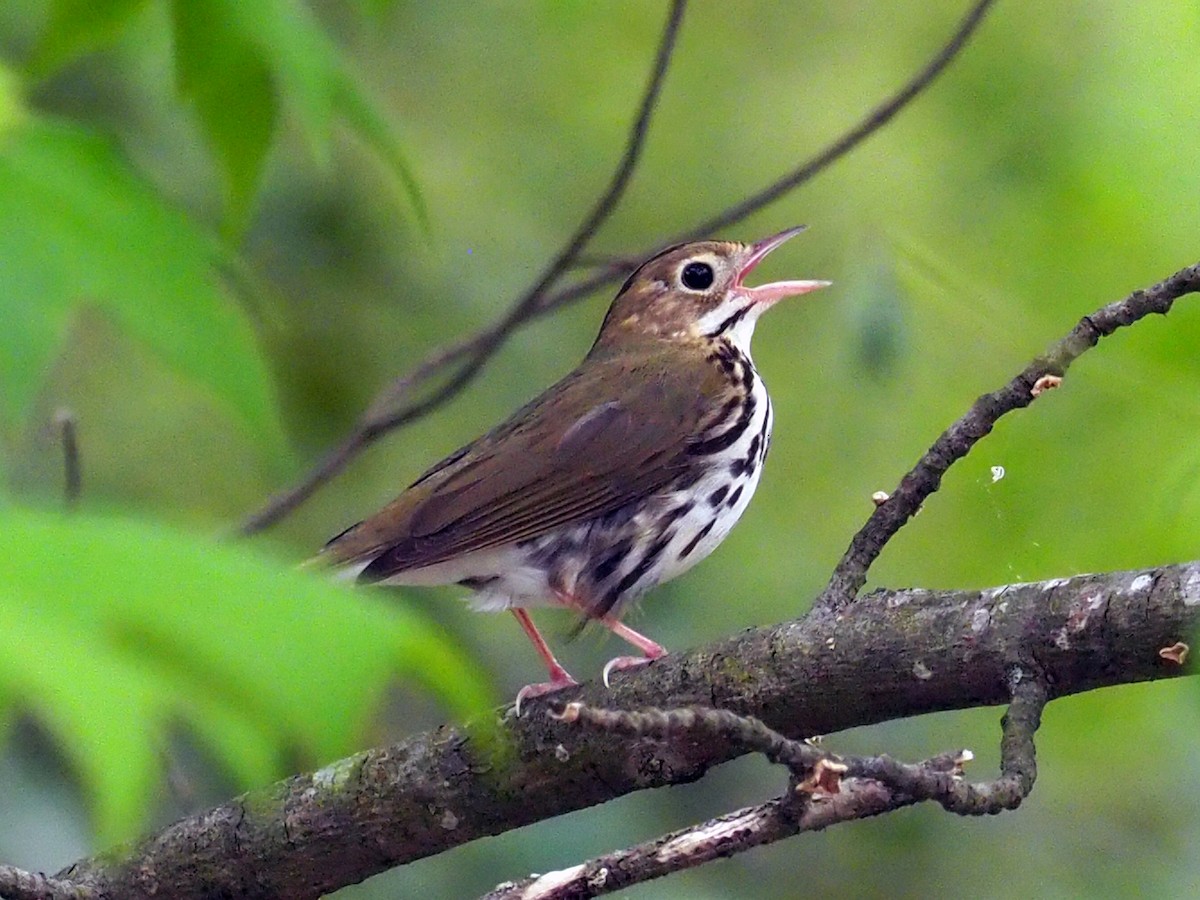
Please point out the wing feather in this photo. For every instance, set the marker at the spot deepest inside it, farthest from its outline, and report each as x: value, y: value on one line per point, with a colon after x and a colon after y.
x: 562, y: 459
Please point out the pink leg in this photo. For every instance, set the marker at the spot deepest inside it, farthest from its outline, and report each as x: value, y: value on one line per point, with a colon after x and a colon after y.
x: 651, y: 649
x: 559, y: 677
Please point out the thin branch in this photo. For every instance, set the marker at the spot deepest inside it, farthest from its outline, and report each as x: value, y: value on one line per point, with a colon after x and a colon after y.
x: 388, y: 411
x: 890, y: 655
x: 811, y: 167
x: 393, y: 408
x: 874, y: 121
x: 698, y: 844
x: 955, y: 442
x: 827, y: 790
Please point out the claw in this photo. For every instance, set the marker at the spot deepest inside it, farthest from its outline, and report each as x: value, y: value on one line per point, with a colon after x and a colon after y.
x: 560, y: 680
x: 624, y: 662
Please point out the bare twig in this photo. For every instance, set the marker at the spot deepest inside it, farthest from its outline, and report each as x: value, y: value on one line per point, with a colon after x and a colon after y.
x: 72, y: 469
x: 393, y: 407
x: 957, y: 440
x: 827, y: 790
x: 689, y: 847
x: 389, y: 410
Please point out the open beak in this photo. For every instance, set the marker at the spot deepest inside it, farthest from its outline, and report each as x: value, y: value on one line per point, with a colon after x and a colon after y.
x: 768, y: 294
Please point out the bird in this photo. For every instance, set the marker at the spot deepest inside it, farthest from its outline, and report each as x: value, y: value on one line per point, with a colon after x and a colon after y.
x: 624, y: 474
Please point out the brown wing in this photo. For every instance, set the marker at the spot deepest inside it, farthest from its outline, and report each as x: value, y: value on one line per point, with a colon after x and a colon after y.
x: 562, y: 459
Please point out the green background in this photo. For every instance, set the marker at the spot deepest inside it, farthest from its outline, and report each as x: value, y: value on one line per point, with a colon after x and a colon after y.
x: 222, y: 231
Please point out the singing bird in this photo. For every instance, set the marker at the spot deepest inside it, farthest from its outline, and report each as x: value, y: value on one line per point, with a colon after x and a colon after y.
x: 623, y: 475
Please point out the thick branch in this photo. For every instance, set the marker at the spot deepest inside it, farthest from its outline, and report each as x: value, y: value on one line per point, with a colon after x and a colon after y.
x: 890, y: 655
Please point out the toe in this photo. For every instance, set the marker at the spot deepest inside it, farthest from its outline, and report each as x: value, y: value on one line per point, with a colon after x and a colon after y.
x: 544, y: 687
x: 623, y: 662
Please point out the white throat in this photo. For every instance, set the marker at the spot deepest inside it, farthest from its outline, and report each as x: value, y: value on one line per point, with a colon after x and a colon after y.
x: 734, y: 320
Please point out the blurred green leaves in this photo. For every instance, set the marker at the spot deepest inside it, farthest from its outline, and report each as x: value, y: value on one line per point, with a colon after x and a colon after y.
x: 77, y: 26
x: 238, y: 61
x: 239, y: 64
x: 112, y: 630
x: 1048, y: 172
x: 219, y: 69
x: 81, y: 227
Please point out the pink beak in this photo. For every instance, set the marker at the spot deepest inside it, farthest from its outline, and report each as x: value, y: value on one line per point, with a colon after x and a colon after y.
x: 768, y: 294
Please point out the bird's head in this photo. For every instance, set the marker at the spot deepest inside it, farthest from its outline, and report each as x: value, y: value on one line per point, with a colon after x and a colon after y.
x: 698, y: 290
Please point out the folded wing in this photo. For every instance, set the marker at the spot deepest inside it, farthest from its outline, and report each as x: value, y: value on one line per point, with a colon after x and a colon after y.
x: 562, y: 459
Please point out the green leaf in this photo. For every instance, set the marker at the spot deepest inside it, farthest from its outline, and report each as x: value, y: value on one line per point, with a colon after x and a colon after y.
x: 80, y: 227
x: 111, y: 629
x: 77, y: 26
x: 237, y: 61
x: 230, y: 84
x: 377, y: 134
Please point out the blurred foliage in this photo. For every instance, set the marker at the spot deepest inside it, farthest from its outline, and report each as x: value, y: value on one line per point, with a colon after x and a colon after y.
x: 238, y: 64
x: 112, y: 628
x: 81, y: 229
x: 1052, y: 169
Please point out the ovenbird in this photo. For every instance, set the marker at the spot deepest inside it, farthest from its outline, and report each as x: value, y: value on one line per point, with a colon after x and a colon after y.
x: 624, y: 474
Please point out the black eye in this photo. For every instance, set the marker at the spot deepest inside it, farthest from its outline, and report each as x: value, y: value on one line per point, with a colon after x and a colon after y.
x: 697, y: 276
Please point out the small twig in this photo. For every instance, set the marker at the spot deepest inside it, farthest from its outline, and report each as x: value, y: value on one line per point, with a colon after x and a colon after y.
x: 64, y: 419
x: 956, y: 441
x: 827, y: 790
x: 17, y: 884
x: 392, y: 408
x: 388, y: 411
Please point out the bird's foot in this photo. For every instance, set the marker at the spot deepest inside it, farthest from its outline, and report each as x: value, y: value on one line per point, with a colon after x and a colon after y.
x: 627, y: 662
x: 558, y: 680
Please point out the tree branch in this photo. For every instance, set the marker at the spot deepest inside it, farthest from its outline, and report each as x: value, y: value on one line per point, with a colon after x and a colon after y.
x: 394, y: 406
x: 68, y: 432
x: 887, y: 655
x: 744, y: 829
x: 1043, y: 373
x: 826, y: 790
x: 891, y: 654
